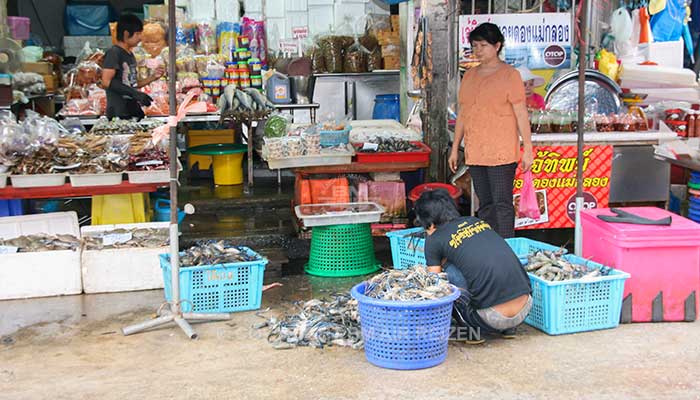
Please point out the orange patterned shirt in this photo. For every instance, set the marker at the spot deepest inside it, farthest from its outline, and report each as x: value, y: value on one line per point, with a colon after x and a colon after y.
x: 486, y: 112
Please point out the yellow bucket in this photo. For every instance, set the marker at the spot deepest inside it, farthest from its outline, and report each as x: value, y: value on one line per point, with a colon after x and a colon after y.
x: 227, y: 160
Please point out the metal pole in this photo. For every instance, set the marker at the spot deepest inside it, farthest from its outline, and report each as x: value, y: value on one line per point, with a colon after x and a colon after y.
x: 582, y: 53
x: 174, y: 314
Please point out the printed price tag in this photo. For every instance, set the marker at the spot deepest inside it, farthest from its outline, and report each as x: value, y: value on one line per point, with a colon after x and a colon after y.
x: 149, y: 162
x: 289, y: 45
x: 8, y: 249
x: 114, y: 238
x: 370, y: 146
x: 300, y: 32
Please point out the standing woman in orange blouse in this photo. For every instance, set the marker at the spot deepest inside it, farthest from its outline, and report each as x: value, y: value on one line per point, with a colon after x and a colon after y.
x: 492, y: 111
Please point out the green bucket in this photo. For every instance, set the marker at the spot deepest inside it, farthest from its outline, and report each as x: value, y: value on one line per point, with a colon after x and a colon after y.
x: 342, y: 250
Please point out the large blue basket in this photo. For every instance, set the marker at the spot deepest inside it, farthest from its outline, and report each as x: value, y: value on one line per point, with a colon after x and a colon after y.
x: 405, y: 335
x: 577, y: 305
x: 407, y: 250
x: 335, y: 138
x: 218, y: 288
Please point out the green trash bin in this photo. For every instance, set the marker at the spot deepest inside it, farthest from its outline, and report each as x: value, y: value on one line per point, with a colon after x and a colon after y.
x: 342, y: 250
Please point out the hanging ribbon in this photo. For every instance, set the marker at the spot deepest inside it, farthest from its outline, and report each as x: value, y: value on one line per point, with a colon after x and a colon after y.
x: 162, y: 132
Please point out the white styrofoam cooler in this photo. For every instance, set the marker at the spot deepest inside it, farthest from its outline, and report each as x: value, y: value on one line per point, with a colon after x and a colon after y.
x: 120, y: 270
x: 45, y: 273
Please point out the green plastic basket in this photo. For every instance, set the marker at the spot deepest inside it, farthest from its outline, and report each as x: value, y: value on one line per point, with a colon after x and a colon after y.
x: 342, y: 250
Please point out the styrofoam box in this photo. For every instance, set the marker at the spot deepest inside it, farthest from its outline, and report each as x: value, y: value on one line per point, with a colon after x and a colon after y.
x: 3, y: 180
x: 38, y: 180
x: 274, y: 9
x: 253, y: 6
x: 351, y: 12
x: 121, y: 270
x: 44, y: 273
x: 202, y: 10
x: 321, y: 18
x: 297, y: 5
x: 159, y: 176
x: 320, y: 2
x: 278, y: 24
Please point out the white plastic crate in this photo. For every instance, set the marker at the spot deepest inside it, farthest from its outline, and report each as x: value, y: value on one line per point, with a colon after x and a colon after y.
x: 274, y: 8
x: 3, y: 180
x: 44, y: 273
x: 149, y: 176
x: 321, y: 18
x: 120, y: 270
x: 38, y: 180
x: 297, y: 5
x: 106, y: 179
x: 253, y: 6
x: 339, y: 213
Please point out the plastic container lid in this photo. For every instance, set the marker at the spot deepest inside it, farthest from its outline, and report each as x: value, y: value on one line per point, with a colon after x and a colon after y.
x: 218, y: 149
x: 386, y: 97
x: 417, y: 191
x: 681, y: 229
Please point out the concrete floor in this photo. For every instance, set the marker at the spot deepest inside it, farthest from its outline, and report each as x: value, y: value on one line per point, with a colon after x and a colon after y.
x: 71, y: 348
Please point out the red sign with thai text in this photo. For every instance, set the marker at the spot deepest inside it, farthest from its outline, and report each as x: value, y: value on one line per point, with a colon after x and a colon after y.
x: 554, y: 179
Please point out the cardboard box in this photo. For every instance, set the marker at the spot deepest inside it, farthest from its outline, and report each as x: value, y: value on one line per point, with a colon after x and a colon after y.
x: 387, y: 37
x: 51, y: 82
x: 41, y: 68
x: 395, y: 24
x: 391, y: 51
x: 392, y: 62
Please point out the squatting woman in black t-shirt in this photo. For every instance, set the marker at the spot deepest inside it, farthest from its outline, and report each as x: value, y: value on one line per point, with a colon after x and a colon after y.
x: 495, y: 287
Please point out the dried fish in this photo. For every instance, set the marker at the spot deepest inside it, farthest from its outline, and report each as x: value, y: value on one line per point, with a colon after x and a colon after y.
x: 214, y: 253
x: 390, y: 145
x: 412, y: 284
x: 319, y: 323
x: 42, y: 242
x: 552, y: 266
x: 144, y: 237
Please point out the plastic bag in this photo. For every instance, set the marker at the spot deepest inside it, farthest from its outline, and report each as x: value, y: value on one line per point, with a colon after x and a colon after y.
x: 332, y: 48
x: 318, y: 62
x: 153, y: 39
x: 528, y: 206
x: 227, y: 36
x: 374, y: 59
x: 205, y: 38
x: 255, y: 31
x: 355, y: 60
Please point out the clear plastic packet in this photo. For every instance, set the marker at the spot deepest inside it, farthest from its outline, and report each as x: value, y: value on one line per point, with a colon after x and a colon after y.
x: 205, y: 37
x: 153, y: 38
x: 355, y: 58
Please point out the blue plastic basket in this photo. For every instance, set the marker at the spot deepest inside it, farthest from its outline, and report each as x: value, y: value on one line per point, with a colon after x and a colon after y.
x: 218, y: 288
x: 404, y: 335
x: 523, y: 247
x: 577, y: 305
x: 407, y: 251
x: 335, y: 138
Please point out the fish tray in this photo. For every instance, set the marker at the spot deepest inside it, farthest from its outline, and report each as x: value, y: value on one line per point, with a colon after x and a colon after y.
x: 159, y: 176
x: 422, y: 155
x: 577, y: 305
x: 38, y: 180
x: 218, y: 288
x: 408, y: 250
x: 328, y: 158
x: 124, y: 269
x: 338, y: 213
x: 40, y: 273
x: 3, y: 181
x: 405, y: 335
x: 106, y: 179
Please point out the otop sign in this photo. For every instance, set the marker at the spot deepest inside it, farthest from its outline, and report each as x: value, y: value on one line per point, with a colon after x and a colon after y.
x: 538, y: 41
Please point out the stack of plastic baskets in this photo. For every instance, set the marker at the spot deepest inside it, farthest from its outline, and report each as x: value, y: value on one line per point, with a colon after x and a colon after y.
x: 577, y: 305
x: 342, y: 250
x: 694, y: 197
x: 408, y: 247
x: 218, y: 288
x: 405, y: 335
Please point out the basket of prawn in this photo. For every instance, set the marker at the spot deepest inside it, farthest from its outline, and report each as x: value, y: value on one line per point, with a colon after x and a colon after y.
x: 405, y: 318
x: 571, y: 294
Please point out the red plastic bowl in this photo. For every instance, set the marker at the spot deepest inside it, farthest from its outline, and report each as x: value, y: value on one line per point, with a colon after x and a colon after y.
x: 454, y: 191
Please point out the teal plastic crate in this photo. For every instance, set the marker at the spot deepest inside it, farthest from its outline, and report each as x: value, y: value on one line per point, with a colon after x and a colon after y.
x: 218, y: 288
x: 407, y: 251
x: 577, y: 305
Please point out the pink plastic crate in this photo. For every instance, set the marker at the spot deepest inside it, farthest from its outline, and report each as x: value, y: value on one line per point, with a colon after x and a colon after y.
x: 664, y: 262
x: 19, y: 27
